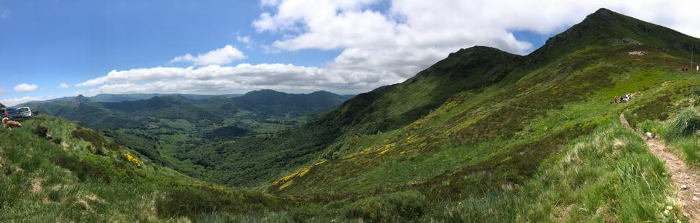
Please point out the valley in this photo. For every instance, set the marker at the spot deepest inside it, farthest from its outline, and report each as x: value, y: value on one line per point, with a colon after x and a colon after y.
x: 163, y: 127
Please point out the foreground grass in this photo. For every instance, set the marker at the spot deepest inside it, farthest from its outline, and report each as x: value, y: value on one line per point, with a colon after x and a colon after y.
x: 78, y: 175
x: 681, y: 132
x: 608, y: 175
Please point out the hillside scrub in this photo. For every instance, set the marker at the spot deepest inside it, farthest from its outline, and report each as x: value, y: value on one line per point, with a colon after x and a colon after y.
x: 46, y: 181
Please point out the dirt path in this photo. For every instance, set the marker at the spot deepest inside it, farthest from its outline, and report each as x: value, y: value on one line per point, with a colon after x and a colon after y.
x: 681, y: 175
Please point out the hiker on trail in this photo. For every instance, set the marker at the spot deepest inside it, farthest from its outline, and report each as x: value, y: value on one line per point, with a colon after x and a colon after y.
x: 615, y: 99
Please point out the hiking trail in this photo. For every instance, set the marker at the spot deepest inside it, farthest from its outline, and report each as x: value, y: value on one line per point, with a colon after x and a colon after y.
x: 681, y: 174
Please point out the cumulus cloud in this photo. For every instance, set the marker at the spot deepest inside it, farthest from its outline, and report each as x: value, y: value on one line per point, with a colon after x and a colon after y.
x: 22, y: 88
x: 378, y: 45
x: 9, y: 102
x: 241, y: 78
x: 225, y: 55
x: 412, y: 34
x: 63, y: 85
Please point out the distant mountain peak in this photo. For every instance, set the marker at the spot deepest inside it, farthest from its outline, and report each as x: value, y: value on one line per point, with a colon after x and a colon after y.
x: 81, y: 99
x: 323, y: 93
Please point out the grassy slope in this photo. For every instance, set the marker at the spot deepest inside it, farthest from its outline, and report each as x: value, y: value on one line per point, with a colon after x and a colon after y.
x: 255, y: 161
x: 164, y: 127
x: 673, y: 115
x: 479, y: 142
x: 546, y: 73
x: 65, y: 179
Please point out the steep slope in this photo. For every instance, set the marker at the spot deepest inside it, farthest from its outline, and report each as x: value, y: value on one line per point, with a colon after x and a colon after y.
x: 519, y: 138
x: 251, y: 161
x: 572, y: 65
x: 596, y: 65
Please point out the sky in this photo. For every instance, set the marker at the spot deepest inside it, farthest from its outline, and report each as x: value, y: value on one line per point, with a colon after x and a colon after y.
x: 57, y: 48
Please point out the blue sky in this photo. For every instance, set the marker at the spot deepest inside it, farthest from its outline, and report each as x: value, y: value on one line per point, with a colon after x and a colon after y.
x: 287, y: 45
x: 47, y: 43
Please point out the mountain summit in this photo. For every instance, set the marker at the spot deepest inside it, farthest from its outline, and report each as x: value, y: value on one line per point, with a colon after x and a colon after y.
x: 605, y: 27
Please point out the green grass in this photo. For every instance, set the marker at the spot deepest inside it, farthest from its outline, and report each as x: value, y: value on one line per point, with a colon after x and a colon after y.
x: 67, y: 180
x: 680, y: 132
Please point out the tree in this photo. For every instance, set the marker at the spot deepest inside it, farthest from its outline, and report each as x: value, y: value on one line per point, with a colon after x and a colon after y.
x: 2, y: 106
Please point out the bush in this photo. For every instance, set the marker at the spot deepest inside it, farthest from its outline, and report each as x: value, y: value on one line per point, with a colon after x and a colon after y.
x: 84, y: 170
x: 96, y: 168
x: 648, y: 126
x: 685, y: 124
x: 41, y: 131
x: 57, y: 140
x: 97, y: 140
x: 89, y: 136
x: 388, y: 208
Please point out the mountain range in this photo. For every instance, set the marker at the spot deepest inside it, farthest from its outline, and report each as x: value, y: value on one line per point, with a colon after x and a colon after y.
x: 481, y: 136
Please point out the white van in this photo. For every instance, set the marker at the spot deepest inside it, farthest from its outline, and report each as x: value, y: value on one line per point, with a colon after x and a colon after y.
x: 24, y: 112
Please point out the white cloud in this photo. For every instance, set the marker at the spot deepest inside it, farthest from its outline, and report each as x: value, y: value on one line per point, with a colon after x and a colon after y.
x: 63, y: 85
x: 9, y: 102
x: 243, y: 39
x: 2, y: 90
x: 240, y: 78
x: 221, y: 56
x: 25, y: 88
x: 413, y: 34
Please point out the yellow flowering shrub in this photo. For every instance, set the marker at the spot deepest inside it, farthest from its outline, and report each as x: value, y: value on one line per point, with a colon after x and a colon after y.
x: 287, y: 180
x: 132, y: 159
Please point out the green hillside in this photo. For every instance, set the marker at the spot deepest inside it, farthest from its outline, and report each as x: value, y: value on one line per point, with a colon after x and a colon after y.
x: 77, y: 175
x: 481, y: 136
x: 499, y: 139
x: 251, y: 161
x: 165, y: 126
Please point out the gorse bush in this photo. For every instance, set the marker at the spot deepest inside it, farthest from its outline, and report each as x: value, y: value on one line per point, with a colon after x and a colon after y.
x: 132, y: 159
